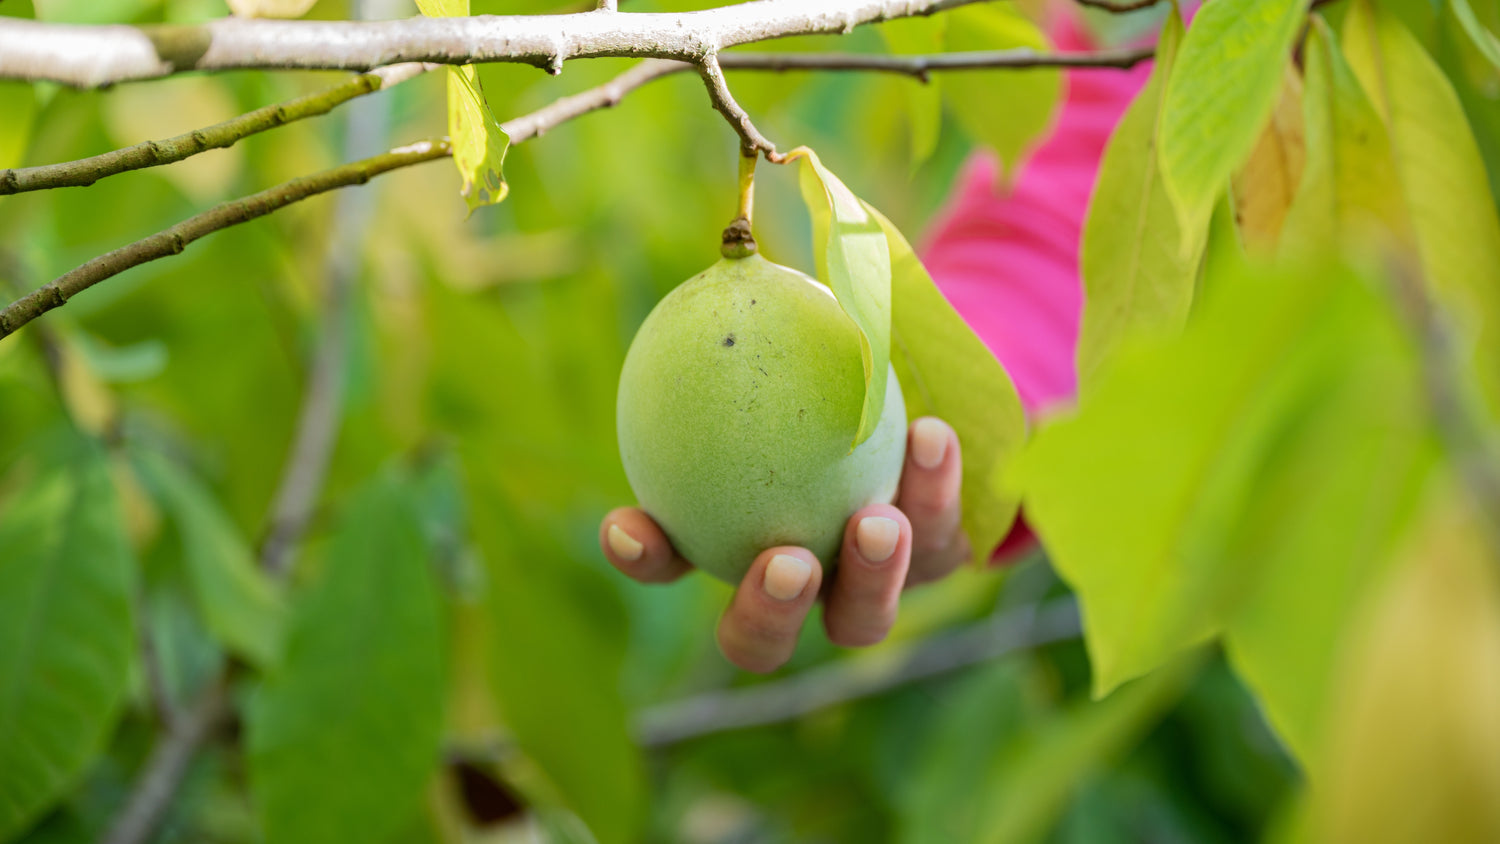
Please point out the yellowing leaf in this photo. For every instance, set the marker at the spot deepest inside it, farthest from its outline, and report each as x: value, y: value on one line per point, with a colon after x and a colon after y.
x: 479, y: 142
x: 1135, y: 274
x: 1442, y: 178
x: 854, y: 260
x: 1414, y: 754
x: 1002, y: 109
x: 1348, y: 195
x: 1266, y: 183
x: 1222, y: 88
x: 945, y: 370
x: 443, y: 8
x: 271, y: 8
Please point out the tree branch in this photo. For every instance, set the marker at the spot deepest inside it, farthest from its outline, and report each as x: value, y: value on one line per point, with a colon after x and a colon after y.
x: 1119, y: 6
x: 175, y: 239
x: 166, y: 766
x: 526, y: 127
x: 91, y: 56
x: 751, y: 140
x: 919, y: 67
x: 1456, y: 414
x: 847, y: 680
x: 367, y: 130
x: 86, y: 171
x: 297, y: 491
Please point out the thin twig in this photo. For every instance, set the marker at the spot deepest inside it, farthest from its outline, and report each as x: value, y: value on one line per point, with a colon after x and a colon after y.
x: 523, y: 128
x: 86, y: 171
x: 608, y: 95
x: 323, y: 399
x: 173, y: 240
x: 920, y: 67
x: 1455, y: 411
x: 166, y: 766
x: 867, y: 675
x: 1119, y: 6
x: 301, y: 479
x: 96, y: 55
x: 853, y: 679
x: 751, y: 140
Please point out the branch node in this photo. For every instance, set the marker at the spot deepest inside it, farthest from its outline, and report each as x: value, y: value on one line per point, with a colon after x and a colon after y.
x: 737, y: 241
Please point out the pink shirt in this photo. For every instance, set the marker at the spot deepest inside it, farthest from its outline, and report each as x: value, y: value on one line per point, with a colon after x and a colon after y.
x: 1007, y: 257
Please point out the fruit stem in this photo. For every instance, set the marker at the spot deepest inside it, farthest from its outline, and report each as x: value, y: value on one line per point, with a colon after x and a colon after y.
x: 747, y: 184
x: 737, y: 240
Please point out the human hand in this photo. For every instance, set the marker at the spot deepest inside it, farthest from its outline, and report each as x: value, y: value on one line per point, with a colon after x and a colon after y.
x: 886, y: 548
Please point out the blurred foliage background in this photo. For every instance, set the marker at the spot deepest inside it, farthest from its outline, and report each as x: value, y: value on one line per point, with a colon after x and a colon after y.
x: 477, y: 435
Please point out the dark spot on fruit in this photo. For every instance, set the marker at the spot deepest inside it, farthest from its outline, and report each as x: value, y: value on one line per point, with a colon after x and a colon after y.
x: 801, y: 413
x: 729, y: 341
x: 752, y: 301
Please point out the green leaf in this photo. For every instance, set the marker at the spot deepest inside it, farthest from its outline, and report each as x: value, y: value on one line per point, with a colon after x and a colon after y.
x: 234, y: 598
x: 1442, y: 178
x: 1222, y: 88
x: 1031, y: 787
x: 1001, y: 109
x: 1136, y: 494
x: 946, y: 370
x: 347, y: 731
x: 1484, y: 40
x: 972, y: 723
x: 1319, y: 530
x: 479, y: 142
x: 1348, y: 194
x: 66, y: 633
x: 924, y: 98
x: 1136, y: 275
x: 554, y: 670
x: 854, y: 260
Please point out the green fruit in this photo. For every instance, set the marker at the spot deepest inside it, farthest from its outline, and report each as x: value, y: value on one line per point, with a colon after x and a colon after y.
x: 738, y: 402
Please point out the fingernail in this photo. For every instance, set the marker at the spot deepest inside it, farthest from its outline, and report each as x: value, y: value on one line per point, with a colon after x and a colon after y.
x: 625, y: 546
x: 786, y: 577
x: 876, y: 537
x: 929, y: 439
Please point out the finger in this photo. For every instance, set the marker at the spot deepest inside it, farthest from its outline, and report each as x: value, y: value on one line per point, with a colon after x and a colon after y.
x: 929, y: 496
x: 861, y: 605
x: 635, y: 544
x: 759, y: 629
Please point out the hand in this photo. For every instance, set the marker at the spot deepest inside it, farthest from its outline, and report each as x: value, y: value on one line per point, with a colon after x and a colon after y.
x: 886, y: 548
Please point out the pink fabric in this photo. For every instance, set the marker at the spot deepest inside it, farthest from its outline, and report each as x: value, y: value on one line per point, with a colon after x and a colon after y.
x: 1006, y: 257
